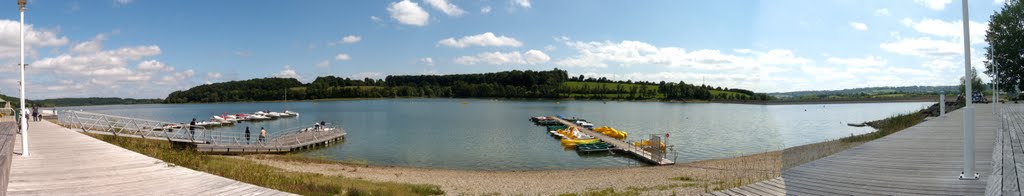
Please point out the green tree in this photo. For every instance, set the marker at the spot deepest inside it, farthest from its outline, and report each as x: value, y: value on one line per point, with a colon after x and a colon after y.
x: 976, y: 84
x: 1005, y: 37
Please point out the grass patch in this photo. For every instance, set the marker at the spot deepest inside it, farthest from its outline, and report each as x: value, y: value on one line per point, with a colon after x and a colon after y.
x: 888, y: 126
x: 266, y: 176
x: 684, y: 178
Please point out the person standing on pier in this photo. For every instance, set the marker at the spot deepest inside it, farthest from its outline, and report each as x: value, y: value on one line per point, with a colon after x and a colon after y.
x: 192, y: 128
x: 246, y: 135
x: 35, y: 113
x: 263, y: 135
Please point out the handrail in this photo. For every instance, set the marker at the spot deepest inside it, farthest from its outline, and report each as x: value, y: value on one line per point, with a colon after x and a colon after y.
x: 151, y: 129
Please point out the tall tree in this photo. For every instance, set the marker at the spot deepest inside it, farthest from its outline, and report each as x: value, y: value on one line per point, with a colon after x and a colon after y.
x: 1005, y: 37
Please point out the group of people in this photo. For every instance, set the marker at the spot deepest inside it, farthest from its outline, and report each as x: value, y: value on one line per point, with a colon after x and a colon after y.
x: 263, y: 135
x: 32, y: 114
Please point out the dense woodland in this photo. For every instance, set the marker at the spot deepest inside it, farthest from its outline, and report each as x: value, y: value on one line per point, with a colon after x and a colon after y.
x: 554, y: 84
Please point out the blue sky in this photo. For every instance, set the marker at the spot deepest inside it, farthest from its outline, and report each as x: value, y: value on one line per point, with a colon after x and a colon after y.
x: 146, y: 48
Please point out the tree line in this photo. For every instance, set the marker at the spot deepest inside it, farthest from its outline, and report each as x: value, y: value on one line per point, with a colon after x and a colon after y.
x: 553, y: 84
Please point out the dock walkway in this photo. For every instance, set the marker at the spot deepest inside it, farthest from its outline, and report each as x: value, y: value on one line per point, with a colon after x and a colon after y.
x: 65, y: 162
x: 925, y: 159
x: 619, y: 144
x: 206, y: 141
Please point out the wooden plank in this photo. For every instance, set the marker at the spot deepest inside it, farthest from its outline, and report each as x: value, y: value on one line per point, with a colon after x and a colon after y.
x: 920, y: 160
x: 64, y: 162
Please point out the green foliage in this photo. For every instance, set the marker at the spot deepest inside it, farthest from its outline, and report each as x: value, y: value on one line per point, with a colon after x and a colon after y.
x: 266, y: 176
x: 870, y: 92
x: 554, y: 84
x: 888, y: 126
x: 976, y: 84
x: 1004, y: 34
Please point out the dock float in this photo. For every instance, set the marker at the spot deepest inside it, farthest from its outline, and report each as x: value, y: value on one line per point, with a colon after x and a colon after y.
x: 638, y: 152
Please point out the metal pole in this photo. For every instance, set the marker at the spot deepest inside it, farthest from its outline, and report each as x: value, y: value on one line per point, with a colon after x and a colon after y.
x: 968, y: 172
x: 942, y: 103
x: 995, y: 79
x: 24, y: 124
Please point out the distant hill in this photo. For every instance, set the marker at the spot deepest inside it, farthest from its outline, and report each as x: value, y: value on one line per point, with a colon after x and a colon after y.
x: 63, y: 102
x: 869, y: 91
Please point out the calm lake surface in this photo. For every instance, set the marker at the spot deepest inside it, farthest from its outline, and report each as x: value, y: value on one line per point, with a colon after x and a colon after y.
x: 481, y: 134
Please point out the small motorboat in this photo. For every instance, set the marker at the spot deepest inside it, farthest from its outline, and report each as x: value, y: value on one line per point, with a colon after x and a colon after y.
x: 291, y: 113
x: 208, y: 123
x: 258, y: 117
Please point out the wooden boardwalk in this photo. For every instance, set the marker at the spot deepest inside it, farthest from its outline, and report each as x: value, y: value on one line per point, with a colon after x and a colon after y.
x: 65, y: 162
x: 281, y: 144
x: 619, y: 144
x: 1008, y: 168
x: 7, y: 131
x: 925, y: 159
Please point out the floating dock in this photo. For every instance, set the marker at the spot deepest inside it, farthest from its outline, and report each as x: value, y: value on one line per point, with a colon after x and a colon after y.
x: 205, y: 141
x: 637, y: 152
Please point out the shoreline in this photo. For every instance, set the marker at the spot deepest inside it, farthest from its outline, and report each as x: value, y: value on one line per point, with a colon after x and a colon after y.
x: 831, y: 101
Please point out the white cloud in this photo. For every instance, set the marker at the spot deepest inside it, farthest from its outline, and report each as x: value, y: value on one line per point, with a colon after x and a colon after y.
x: 870, y: 61
x: 34, y: 38
x: 91, y: 46
x: 934, y: 4
x: 214, y: 75
x: 351, y: 39
x: 372, y: 75
x: 485, y: 9
x: 530, y: 57
x: 882, y: 12
x: 550, y: 48
x: 323, y: 64
x: 427, y: 60
x: 999, y: 2
x: 949, y: 29
x: 287, y: 72
x: 122, y: 2
x: 923, y: 47
x: 522, y: 3
x: 941, y: 64
x: 409, y: 13
x: 342, y: 57
x: 629, y: 53
x: 446, y: 7
x: 243, y: 53
x: 374, y: 18
x: 485, y: 39
x: 153, y: 65
x: 859, y: 26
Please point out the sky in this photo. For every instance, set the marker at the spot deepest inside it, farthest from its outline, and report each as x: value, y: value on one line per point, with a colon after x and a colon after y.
x: 149, y: 48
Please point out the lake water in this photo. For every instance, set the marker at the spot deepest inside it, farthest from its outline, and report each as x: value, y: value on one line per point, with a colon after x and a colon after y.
x: 481, y: 134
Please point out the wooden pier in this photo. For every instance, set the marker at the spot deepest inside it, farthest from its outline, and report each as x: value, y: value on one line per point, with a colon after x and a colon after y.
x: 638, y: 152
x: 206, y: 141
x: 63, y: 161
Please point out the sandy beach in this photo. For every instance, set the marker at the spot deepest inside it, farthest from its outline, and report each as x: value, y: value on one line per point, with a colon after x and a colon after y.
x: 683, y: 179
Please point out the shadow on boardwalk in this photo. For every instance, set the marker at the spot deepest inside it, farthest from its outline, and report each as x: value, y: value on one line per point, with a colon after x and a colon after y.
x: 925, y: 159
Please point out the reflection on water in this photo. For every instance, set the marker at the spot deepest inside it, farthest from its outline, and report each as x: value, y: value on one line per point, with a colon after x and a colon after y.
x: 496, y: 135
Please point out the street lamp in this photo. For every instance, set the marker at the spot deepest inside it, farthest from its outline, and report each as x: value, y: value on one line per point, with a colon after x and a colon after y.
x: 968, y: 172
x: 21, y: 115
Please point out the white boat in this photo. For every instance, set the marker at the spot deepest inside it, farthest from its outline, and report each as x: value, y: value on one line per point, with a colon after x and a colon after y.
x: 275, y: 114
x: 291, y: 113
x: 208, y: 123
x: 258, y: 117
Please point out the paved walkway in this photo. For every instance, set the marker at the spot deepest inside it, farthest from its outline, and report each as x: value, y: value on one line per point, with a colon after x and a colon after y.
x: 921, y: 160
x: 65, y: 162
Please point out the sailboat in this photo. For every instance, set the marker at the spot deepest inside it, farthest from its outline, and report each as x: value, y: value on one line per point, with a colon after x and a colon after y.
x: 286, y: 113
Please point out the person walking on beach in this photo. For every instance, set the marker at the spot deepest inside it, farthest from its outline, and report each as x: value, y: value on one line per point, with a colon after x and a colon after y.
x: 263, y: 135
x: 246, y: 135
x: 192, y: 128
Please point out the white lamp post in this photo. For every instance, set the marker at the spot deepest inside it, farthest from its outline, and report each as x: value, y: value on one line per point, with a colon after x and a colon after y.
x: 968, y: 172
x: 24, y: 123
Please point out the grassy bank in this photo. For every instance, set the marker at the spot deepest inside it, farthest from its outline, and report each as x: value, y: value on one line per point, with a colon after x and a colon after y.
x: 266, y: 176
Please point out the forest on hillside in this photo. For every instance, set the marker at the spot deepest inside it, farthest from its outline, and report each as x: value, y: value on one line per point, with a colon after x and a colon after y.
x: 554, y: 84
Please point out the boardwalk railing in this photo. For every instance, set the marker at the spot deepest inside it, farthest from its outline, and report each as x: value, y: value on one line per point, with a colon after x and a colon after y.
x: 7, y: 131
x: 132, y: 127
x: 207, y: 140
